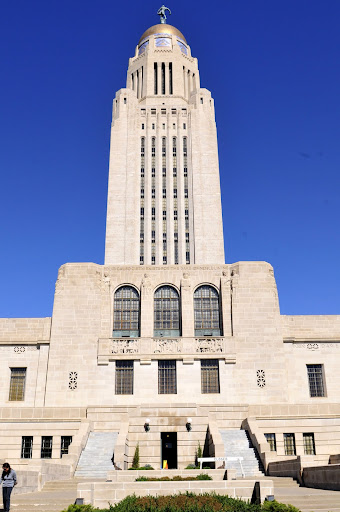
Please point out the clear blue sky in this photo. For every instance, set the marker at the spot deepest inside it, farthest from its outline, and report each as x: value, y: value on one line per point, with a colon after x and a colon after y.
x: 273, y: 69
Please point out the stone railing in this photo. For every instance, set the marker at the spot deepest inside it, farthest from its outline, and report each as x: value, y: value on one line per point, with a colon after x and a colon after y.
x: 218, y: 347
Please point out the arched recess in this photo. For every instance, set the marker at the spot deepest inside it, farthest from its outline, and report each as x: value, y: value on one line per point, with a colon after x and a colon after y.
x: 166, y: 311
x: 126, y: 312
x: 207, y: 311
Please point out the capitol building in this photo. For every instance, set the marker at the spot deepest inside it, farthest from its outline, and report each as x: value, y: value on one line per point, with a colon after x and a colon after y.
x: 165, y: 345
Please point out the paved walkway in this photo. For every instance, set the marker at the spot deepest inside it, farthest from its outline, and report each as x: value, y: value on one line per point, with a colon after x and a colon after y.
x: 307, y: 500
x: 58, y: 495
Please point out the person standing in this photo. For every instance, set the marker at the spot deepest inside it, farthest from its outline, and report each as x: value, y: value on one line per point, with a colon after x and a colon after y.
x: 8, y: 480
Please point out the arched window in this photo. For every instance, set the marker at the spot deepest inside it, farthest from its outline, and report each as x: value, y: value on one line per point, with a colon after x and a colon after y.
x: 166, y: 312
x: 126, y: 312
x: 207, y: 311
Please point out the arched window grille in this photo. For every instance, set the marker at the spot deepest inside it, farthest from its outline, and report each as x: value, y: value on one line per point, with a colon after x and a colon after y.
x: 126, y: 312
x: 166, y: 312
x: 207, y: 311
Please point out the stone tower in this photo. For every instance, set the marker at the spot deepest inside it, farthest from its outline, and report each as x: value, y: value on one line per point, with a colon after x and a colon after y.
x: 164, y: 200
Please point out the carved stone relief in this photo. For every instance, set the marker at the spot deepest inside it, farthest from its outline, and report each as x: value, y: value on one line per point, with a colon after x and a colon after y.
x: 167, y: 346
x: 209, y: 345
x: 124, y: 346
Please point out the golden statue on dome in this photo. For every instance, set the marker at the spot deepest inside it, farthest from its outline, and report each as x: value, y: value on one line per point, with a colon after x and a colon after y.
x: 161, y: 12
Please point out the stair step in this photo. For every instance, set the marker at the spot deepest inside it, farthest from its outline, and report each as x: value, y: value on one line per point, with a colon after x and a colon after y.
x: 237, y: 444
x: 95, y: 460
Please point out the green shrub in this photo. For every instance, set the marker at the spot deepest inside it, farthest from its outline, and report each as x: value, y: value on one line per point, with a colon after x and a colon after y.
x: 192, y: 466
x: 275, y: 506
x: 203, y: 476
x: 176, y: 478
x: 188, y: 502
x: 86, y: 508
x: 135, y: 460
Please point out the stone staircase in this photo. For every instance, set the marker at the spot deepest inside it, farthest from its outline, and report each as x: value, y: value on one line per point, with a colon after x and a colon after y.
x: 55, y: 496
x: 305, y: 499
x: 237, y: 444
x: 95, y: 460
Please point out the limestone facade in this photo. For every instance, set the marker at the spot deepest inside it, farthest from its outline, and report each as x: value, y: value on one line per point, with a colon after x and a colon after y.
x: 70, y: 363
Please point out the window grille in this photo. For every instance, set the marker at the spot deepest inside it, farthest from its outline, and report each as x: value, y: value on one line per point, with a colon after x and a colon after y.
x: 17, y: 384
x: 289, y: 444
x: 65, y: 443
x: 210, y: 380
x: 46, y: 447
x: 167, y: 377
x: 207, y: 311
x: 126, y: 312
x: 124, y: 377
x: 271, y: 440
x: 316, y: 380
x: 26, y: 447
x: 166, y: 311
x: 308, y: 444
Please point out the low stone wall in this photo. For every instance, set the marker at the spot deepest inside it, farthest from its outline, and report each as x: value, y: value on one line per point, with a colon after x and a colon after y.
x: 100, y: 494
x: 28, y: 481
x: 291, y: 468
x: 334, y: 459
x: 323, y: 477
x: 34, y: 480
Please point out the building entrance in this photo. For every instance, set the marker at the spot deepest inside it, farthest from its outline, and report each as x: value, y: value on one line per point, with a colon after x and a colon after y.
x: 169, y: 449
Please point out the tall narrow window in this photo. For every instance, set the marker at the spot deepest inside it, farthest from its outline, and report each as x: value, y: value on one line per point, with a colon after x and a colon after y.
x: 17, y: 384
x: 64, y: 446
x: 289, y: 444
x: 163, y: 78
x: 207, y: 311
x: 271, y: 440
x: 170, y: 77
x: 164, y: 198
x: 316, y: 380
x: 124, y: 377
x: 167, y: 381
x: 46, y: 447
x: 166, y: 312
x: 142, y: 194
x: 26, y: 447
x: 210, y: 380
x: 155, y: 78
x: 153, y: 200
x: 308, y: 443
x: 174, y: 174
x: 126, y: 312
x: 186, y: 199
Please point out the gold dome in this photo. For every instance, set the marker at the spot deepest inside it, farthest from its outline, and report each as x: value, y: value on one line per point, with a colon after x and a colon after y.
x: 162, y: 28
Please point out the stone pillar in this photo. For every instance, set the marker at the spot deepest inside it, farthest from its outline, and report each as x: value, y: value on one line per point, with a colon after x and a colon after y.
x: 146, y: 313
x: 187, y: 307
x: 226, y: 303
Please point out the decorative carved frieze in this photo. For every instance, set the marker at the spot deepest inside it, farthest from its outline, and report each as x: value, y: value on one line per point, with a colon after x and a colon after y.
x: 313, y: 347
x: 210, y: 345
x: 167, y: 346
x: 124, y: 346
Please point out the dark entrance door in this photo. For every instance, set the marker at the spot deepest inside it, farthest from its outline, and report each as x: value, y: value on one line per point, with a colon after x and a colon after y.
x: 169, y: 449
